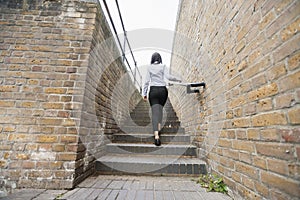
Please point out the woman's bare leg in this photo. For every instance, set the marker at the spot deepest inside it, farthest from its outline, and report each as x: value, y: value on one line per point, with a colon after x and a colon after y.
x: 156, y: 136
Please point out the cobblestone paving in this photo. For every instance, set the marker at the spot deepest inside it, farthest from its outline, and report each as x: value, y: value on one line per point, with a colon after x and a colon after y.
x: 124, y: 187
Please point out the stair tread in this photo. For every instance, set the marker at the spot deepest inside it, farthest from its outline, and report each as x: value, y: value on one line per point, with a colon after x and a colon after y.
x: 152, y: 145
x: 151, y: 159
x: 150, y: 134
x: 148, y: 128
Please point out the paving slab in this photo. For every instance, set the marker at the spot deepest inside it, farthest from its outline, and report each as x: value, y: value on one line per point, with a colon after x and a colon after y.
x: 106, y: 187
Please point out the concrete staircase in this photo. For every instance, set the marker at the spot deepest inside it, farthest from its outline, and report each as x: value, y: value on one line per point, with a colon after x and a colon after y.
x: 133, y: 151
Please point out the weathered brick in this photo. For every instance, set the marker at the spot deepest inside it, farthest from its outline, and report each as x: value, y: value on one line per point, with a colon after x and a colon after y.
x: 243, y: 145
x: 241, y: 122
x: 254, y: 69
x: 9, y: 129
x: 6, y: 147
x: 19, y: 137
x: 269, y: 135
x: 281, y: 183
x: 63, y: 114
x: 290, y: 135
x: 250, y: 109
x: 294, y: 115
x: 79, y: 148
x: 71, y: 70
x: 240, y: 100
x: 264, y: 105
x: 293, y: 61
x: 286, y: 49
x: 43, y: 156
x: 68, y: 122
x: 52, y: 105
x: 27, y: 104
x: 259, y: 162
x: 236, y: 177
x: 291, y: 81
x: 58, y: 147
x: 56, y: 165
x: 276, y: 194
x: 28, y: 165
x: 247, y: 170
x: 253, y: 134
x: 20, y: 156
x: 264, y: 91
x: 243, y: 65
x: 266, y: 20
x: 3, y: 163
x: 31, y: 147
x: 7, y: 103
x: 63, y: 174
x: 278, y: 166
x: 46, y: 139
x: 290, y: 30
x: 268, y: 119
x: 276, y: 72
x: 281, y: 151
x: 50, y: 121
x: 55, y: 90
x: 66, y: 156
x: 294, y: 170
x: 69, y: 139
x: 261, y: 188
x: 284, y: 100
x: 224, y: 143
x: 245, y: 157
x: 8, y: 88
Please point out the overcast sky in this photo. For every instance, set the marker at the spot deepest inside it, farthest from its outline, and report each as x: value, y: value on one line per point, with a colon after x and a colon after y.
x: 141, y: 14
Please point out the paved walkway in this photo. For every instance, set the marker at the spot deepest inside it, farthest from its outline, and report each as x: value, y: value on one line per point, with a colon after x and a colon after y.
x: 107, y: 187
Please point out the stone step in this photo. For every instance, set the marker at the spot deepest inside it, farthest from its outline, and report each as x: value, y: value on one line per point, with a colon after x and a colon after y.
x: 148, y: 115
x: 168, y: 124
x: 150, y: 165
x: 148, y: 138
x: 148, y: 129
x: 143, y: 119
x: 147, y: 105
x: 151, y: 149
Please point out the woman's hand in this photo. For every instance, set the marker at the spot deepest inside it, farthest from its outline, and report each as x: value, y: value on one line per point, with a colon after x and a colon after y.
x: 145, y: 98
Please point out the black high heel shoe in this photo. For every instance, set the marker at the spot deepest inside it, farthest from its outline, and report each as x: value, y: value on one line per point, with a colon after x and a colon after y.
x: 157, y: 142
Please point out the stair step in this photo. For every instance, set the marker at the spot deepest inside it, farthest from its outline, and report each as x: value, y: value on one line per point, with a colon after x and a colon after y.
x: 147, y: 118
x: 153, y: 165
x: 148, y: 138
x: 148, y: 129
x: 151, y: 149
x: 141, y: 123
x: 148, y: 115
x: 146, y: 121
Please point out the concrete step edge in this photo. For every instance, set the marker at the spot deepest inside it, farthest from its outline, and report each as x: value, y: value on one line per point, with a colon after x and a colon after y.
x: 151, y: 165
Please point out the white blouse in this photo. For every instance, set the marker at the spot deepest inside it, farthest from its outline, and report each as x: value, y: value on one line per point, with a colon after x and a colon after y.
x: 156, y: 74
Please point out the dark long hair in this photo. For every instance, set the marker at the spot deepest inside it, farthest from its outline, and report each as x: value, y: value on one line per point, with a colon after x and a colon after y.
x: 156, y: 58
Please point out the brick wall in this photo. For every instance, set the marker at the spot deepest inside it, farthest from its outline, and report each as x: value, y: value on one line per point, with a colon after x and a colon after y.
x: 246, y: 122
x: 59, y: 73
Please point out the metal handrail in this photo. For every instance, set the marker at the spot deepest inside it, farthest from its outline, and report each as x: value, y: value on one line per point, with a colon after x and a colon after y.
x: 126, y: 41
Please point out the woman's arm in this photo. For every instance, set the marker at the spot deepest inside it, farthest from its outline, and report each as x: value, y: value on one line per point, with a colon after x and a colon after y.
x: 171, y: 77
x: 146, y: 84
